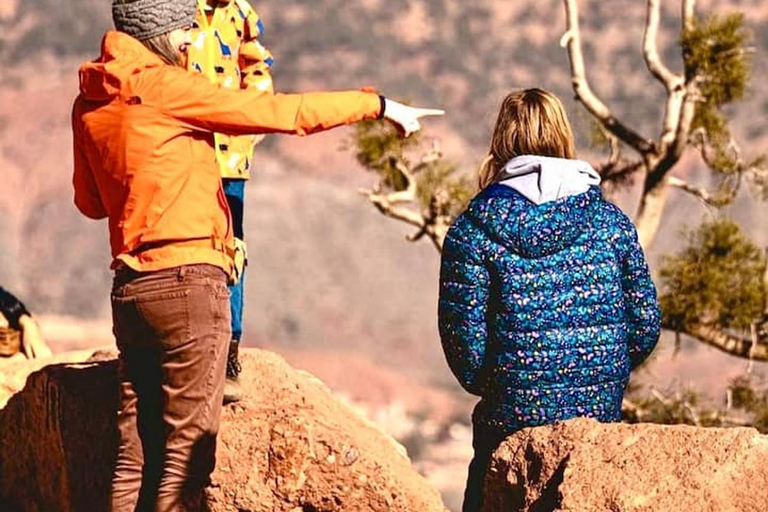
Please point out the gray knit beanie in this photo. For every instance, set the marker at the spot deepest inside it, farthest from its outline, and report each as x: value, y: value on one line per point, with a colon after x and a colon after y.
x: 143, y: 19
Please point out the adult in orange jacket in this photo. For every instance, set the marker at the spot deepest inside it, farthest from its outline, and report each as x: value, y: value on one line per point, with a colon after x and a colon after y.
x: 144, y: 159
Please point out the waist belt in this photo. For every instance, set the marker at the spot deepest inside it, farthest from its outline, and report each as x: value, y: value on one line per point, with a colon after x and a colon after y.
x: 206, y: 243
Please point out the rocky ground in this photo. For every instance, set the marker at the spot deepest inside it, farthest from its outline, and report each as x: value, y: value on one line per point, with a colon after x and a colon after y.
x: 288, y: 445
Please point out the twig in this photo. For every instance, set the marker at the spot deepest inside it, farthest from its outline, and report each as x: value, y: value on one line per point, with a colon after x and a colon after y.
x: 753, y: 333
x: 700, y: 193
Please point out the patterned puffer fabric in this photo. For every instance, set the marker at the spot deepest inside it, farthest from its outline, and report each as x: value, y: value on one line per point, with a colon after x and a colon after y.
x: 544, y: 309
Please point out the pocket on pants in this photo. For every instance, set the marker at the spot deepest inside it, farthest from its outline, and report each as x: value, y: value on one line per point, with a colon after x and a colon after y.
x: 167, y: 315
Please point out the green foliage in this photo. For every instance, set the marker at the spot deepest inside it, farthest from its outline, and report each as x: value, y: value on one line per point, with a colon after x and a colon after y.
x: 744, y: 396
x: 716, y: 279
x: 379, y: 148
x: 598, y: 135
x: 716, y: 57
x: 747, y: 405
x: 750, y: 395
x: 439, y: 180
x: 684, y: 409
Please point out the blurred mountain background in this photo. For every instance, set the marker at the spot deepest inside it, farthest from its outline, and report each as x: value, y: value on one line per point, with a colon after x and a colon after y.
x: 331, y: 284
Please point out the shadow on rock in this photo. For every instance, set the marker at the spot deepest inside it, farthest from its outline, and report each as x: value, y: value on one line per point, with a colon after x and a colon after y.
x: 59, y: 439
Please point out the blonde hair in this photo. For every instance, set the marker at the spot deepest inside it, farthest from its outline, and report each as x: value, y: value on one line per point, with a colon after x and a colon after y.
x: 530, y: 122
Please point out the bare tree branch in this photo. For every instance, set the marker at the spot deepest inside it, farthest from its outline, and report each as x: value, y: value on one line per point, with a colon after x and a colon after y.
x: 762, y: 328
x: 708, y: 198
x: 572, y: 40
x: 618, y: 172
x: 689, y: 11
x: 755, y: 341
x: 670, y: 80
x: 673, y: 83
x: 690, y: 97
x: 726, y: 342
x: 755, y: 170
x: 386, y: 206
x: 393, y: 204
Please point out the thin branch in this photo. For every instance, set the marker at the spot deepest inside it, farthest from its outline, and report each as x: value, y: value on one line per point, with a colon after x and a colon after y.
x: 673, y: 83
x: 689, y: 11
x: 666, y: 402
x: 765, y: 290
x: 409, y: 193
x: 754, y: 338
x: 670, y: 80
x: 615, y: 155
x: 387, y: 203
x: 383, y: 203
x: 690, y: 97
x: 716, y: 200
x: 692, y: 412
x: 754, y: 170
x: 633, y: 410
x: 618, y: 172
x: 762, y: 328
x: 392, y: 204
x: 572, y: 40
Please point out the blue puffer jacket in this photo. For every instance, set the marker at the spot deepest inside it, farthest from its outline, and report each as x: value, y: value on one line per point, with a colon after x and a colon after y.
x: 544, y: 308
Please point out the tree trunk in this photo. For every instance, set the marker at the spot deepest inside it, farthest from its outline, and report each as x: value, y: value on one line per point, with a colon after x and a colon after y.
x: 649, y: 213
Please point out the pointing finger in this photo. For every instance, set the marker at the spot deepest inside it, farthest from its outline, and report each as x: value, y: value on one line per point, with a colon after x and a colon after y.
x: 423, y: 112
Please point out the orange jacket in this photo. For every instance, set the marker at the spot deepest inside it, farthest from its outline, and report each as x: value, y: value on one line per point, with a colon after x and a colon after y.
x: 144, y: 157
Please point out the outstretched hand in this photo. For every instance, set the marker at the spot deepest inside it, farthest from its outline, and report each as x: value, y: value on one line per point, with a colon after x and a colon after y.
x: 407, y: 118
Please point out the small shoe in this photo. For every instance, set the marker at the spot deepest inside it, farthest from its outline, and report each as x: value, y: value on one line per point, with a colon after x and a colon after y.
x: 233, y: 391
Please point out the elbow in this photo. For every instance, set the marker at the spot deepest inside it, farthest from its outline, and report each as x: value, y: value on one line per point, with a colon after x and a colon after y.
x: 473, y: 387
x: 95, y: 212
x: 470, y: 378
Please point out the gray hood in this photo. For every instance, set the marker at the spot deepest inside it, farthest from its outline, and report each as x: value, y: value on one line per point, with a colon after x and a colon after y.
x: 542, y: 179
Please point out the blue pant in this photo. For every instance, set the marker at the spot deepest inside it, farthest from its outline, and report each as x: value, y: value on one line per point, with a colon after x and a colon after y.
x: 235, y: 192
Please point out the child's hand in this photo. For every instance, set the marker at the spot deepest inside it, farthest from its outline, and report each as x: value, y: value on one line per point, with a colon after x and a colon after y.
x: 407, y: 118
x: 32, y: 342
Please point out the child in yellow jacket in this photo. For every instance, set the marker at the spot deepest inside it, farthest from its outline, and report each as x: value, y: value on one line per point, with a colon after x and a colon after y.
x: 226, y: 49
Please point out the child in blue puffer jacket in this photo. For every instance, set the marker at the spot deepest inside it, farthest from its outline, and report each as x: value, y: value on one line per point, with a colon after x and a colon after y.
x: 546, y: 302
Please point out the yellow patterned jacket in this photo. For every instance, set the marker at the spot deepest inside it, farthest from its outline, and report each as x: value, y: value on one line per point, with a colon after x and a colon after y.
x: 225, y: 49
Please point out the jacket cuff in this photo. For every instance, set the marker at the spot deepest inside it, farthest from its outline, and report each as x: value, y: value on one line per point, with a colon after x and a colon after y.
x: 383, y: 102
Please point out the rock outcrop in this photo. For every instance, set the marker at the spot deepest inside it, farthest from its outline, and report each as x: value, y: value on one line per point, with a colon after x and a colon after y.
x: 582, y: 465
x: 288, y: 446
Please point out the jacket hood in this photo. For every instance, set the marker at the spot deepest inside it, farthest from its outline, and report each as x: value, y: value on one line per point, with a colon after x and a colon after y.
x: 122, y: 56
x: 542, y: 179
x: 529, y: 229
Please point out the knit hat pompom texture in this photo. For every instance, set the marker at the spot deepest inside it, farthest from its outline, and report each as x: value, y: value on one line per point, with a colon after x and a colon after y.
x: 144, y: 19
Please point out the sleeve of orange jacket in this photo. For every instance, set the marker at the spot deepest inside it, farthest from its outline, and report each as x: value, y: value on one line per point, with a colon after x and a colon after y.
x: 203, y: 105
x: 87, y: 198
x: 254, y: 60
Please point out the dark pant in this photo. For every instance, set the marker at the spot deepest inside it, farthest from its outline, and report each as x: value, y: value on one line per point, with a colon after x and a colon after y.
x: 484, y: 444
x: 172, y: 329
x: 234, y: 190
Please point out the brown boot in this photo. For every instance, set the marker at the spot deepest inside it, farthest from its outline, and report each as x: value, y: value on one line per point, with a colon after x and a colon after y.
x: 233, y: 391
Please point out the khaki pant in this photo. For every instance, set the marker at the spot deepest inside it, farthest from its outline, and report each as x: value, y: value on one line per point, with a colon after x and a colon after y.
x: 172, y: 329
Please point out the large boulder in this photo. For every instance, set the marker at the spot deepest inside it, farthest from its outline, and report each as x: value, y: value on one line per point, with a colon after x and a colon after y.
x: 583, y: 465
x: 289, y: 445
